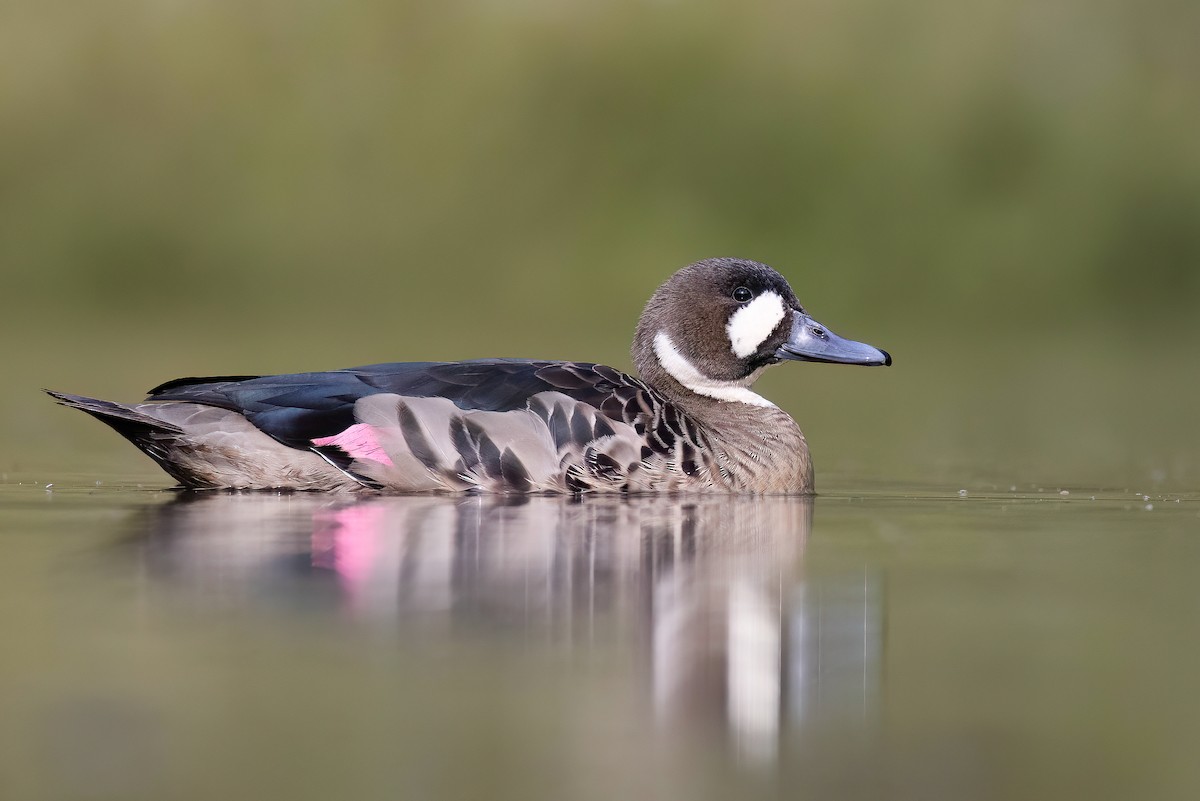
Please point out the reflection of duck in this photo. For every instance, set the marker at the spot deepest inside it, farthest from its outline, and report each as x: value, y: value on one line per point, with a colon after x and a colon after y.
x: 711, y: 588
x: 505, y: 425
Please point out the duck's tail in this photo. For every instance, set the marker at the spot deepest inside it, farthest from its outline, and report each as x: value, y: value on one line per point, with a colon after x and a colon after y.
x: 153, y: 437
x: 206, y: 447
x: 125, y: 420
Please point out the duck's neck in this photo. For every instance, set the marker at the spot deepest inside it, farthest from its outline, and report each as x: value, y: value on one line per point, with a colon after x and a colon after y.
x: 675, y: 374
x: 757, y: 447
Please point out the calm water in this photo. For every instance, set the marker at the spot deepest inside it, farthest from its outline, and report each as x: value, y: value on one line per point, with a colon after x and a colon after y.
x: 897, y: 643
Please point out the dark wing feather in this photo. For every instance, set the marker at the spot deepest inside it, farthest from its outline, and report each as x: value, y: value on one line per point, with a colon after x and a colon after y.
x: 176, y: 383
x: 300, y: 407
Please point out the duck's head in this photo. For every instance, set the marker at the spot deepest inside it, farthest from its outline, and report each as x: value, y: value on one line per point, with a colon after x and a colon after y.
x: 715, y: 325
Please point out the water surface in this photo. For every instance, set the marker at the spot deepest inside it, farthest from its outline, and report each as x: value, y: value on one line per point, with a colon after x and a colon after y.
x: 901, y: 642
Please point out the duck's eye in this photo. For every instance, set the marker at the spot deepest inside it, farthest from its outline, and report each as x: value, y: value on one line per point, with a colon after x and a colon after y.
x: 741, y: 294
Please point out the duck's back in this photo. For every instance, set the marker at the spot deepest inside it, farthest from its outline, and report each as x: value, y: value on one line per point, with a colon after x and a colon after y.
x: 299, y: 407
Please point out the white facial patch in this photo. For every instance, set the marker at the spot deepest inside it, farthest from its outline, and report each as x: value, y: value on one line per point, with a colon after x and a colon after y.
x: 686, y: 373
x: 750, y: 325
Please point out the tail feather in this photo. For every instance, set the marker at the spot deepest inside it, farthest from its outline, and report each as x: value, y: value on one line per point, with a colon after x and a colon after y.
x: 151, y: 435
x: 205, y: 447
x: 127, y: 421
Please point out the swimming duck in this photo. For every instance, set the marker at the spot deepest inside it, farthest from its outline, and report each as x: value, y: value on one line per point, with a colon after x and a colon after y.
x: 691, y: 422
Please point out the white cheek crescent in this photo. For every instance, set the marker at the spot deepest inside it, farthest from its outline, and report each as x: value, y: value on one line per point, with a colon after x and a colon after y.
x: 683, y: 371
x: 750, y: 325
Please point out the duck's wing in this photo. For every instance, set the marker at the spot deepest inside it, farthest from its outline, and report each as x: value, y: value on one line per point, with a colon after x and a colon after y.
x: 500, y: 425
x: 495, y: 424
x: 298, y: 408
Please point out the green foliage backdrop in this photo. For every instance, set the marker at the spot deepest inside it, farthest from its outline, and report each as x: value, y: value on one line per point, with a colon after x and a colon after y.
x: 1006, y: 194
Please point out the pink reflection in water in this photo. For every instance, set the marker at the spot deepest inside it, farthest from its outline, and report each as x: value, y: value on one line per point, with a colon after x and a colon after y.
x: 346, y: 541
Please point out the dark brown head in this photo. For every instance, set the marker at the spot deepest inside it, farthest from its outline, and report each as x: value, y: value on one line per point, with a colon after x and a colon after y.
x: 715, y: 325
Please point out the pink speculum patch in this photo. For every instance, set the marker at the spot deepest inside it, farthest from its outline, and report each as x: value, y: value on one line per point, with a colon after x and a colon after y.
x: 358, y: 441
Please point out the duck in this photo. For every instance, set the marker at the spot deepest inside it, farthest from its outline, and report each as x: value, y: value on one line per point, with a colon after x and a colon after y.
x: 690, y: 420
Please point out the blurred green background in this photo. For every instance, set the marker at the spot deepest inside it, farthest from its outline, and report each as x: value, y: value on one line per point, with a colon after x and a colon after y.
x: 1004, y: 193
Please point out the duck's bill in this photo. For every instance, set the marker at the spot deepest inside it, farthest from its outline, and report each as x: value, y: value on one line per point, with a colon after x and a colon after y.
x: 812, y: 342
